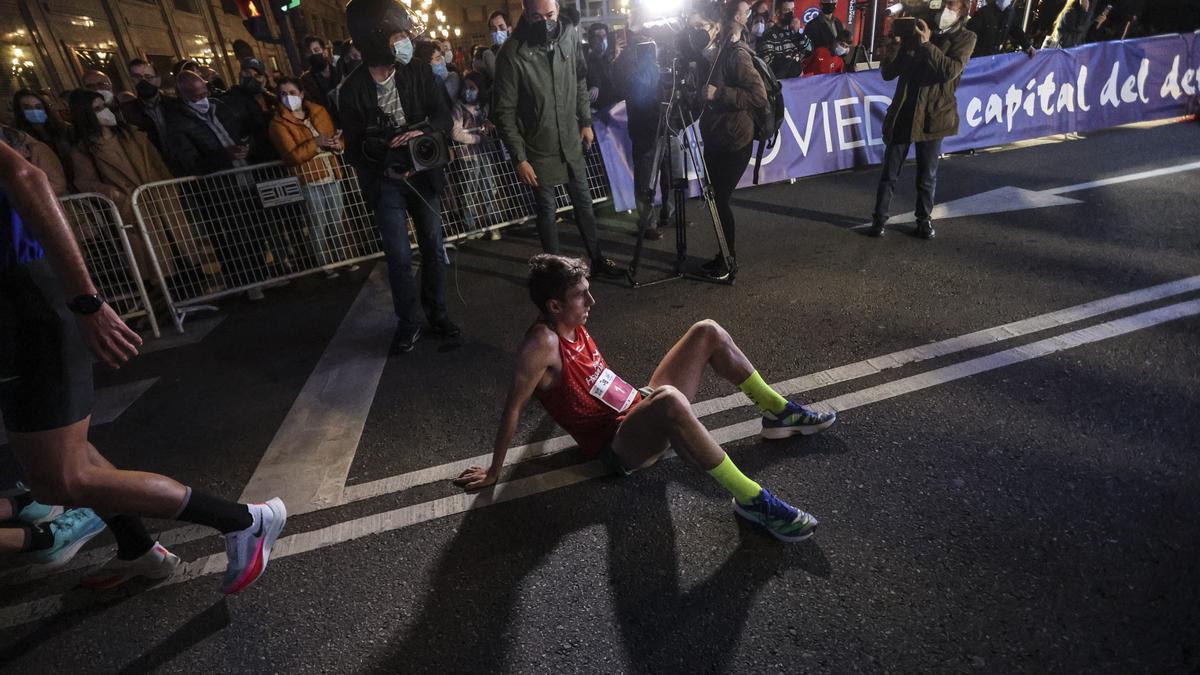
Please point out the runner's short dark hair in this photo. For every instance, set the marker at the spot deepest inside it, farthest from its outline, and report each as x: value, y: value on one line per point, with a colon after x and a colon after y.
x: 550, y: 276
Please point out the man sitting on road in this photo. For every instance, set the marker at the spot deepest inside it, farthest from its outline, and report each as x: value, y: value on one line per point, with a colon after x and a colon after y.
x: 559, y: 364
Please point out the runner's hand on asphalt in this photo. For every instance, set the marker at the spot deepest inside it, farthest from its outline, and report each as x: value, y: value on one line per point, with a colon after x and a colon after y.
x: 109, y: 338
x: 476, y: 478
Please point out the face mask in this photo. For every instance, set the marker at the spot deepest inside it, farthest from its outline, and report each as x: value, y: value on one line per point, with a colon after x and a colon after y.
x: 145, y: 90
x: 470, y: 95
x: 441, y: 70
x: 1003, y: 4
x: 35, y: 116
x: 498, y: 37
x: 107, y: 94
x: 317, y: 62
x: 828, y: 9
x: 200, y: 106
x: 947, y: 19
x: 251, y: 84
x: 293, y: 103
x: 551, y: 29
x: 106, y: 118
x: 759, y: 29
x: 840, y: 50
x: 403, y: 51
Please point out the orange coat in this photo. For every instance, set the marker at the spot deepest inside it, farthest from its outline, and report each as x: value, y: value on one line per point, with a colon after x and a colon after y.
x: 297, y: 146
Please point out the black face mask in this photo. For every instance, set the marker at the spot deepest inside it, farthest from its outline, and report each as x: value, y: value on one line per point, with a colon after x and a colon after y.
x: 544, y: 32
x: 787, y: 18
x: 828, y: 9
x: 317, y: 62
x: 252, y: 84
x: 145, y: 90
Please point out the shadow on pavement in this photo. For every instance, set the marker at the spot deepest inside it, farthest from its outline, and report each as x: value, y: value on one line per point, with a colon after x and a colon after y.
x: 467, y: 623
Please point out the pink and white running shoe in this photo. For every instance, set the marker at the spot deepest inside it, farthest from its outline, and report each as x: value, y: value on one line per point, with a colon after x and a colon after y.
x: 250, y: 549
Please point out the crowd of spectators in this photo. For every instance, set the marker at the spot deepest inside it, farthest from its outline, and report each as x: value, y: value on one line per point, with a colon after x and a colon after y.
x: 101, y: 140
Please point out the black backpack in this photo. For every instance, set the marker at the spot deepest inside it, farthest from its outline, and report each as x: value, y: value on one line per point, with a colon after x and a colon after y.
x: 768, y: 120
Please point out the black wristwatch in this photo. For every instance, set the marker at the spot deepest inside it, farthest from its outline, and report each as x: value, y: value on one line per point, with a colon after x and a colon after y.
x: 86, y: 304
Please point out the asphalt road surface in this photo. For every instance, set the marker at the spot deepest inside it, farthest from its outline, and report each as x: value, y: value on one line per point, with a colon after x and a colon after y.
x: 1013, y: 483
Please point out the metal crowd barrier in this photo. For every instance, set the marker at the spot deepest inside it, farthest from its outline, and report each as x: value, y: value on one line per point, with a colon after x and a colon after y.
x: 233, y: 231
x: 110, y: 254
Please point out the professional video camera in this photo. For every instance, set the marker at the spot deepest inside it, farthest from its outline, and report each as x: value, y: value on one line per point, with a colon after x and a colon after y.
x: 913, y: 7
x: 427, y: 151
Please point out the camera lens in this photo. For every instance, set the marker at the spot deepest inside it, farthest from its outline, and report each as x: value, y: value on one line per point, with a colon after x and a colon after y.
x: 424, y: 150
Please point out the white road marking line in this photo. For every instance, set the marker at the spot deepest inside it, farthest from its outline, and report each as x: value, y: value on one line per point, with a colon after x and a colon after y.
x: 407, y: 516
x: 1010, y: 198
x: 846, y: 373
x: 309, y: 459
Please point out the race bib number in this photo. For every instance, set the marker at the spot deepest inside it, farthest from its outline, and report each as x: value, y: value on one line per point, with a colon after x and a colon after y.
x: 613, y: 391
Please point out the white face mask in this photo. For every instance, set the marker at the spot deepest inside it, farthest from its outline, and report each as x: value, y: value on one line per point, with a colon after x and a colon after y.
x: 107, y: 95
x: 759, y: 29
x: 1004, y: 4
x: 947, y: 19
x: 293, y: 102
x: 840, y: 50
x: 200, y: 106
x: 106, y: 118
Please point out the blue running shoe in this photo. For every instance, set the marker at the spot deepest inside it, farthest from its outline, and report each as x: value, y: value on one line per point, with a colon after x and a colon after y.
x: 71, y: 531
x: 36, y: 514
x: 796, y: 419
x: 784, y: 521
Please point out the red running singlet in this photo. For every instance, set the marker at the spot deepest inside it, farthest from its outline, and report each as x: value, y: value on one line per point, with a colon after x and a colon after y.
x: 589, y: 421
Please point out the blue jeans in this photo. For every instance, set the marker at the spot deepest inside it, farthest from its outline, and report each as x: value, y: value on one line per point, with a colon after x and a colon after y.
x: 325, y: 221
x: 396, y: 202
x: 927, y: 166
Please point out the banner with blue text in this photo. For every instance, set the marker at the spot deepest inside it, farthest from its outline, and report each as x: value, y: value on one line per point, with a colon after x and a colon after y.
x: 835, y: 122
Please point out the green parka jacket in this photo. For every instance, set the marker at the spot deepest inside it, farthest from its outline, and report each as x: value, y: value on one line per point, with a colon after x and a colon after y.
x: 540, y: 100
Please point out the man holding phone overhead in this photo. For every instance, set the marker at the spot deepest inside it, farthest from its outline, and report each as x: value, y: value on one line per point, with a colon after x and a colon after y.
x: 928, y: 52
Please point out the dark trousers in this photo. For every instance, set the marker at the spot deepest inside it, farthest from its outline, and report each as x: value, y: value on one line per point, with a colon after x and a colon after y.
x: 396, y: 202
x: 643, y: 170
x: 725, y: 169
x: 581, y: 201
x: 927, y: 166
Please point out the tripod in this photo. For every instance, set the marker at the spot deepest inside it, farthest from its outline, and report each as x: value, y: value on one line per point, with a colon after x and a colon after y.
x: 675, y: 119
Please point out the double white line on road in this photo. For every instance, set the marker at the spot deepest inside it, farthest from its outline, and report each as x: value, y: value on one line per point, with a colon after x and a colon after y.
x: 515, y: 489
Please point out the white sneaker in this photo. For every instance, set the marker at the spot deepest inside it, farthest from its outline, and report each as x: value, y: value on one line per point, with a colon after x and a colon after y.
x: 157, y: 563
x: 250, y: 549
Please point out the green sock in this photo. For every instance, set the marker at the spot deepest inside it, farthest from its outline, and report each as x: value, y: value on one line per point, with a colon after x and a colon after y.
x: 732, y: 479
x: 766, y: 398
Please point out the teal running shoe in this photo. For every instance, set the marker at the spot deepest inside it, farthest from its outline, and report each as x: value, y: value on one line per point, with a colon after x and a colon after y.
x: 784, y: 521
x: 35, y: 513
x: 796, y: 419
x: 71, y: 531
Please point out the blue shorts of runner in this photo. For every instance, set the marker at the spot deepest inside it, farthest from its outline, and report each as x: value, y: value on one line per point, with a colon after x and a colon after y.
x: 45, y: 366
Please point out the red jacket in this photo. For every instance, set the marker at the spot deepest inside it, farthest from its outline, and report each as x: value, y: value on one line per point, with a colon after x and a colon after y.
x: 823, y: 62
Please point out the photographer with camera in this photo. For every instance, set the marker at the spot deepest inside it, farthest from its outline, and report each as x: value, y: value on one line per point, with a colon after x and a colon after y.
x: 394, y: 111
x: 732, y: 95
x: 927, y: 54
x: 543, y: 113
